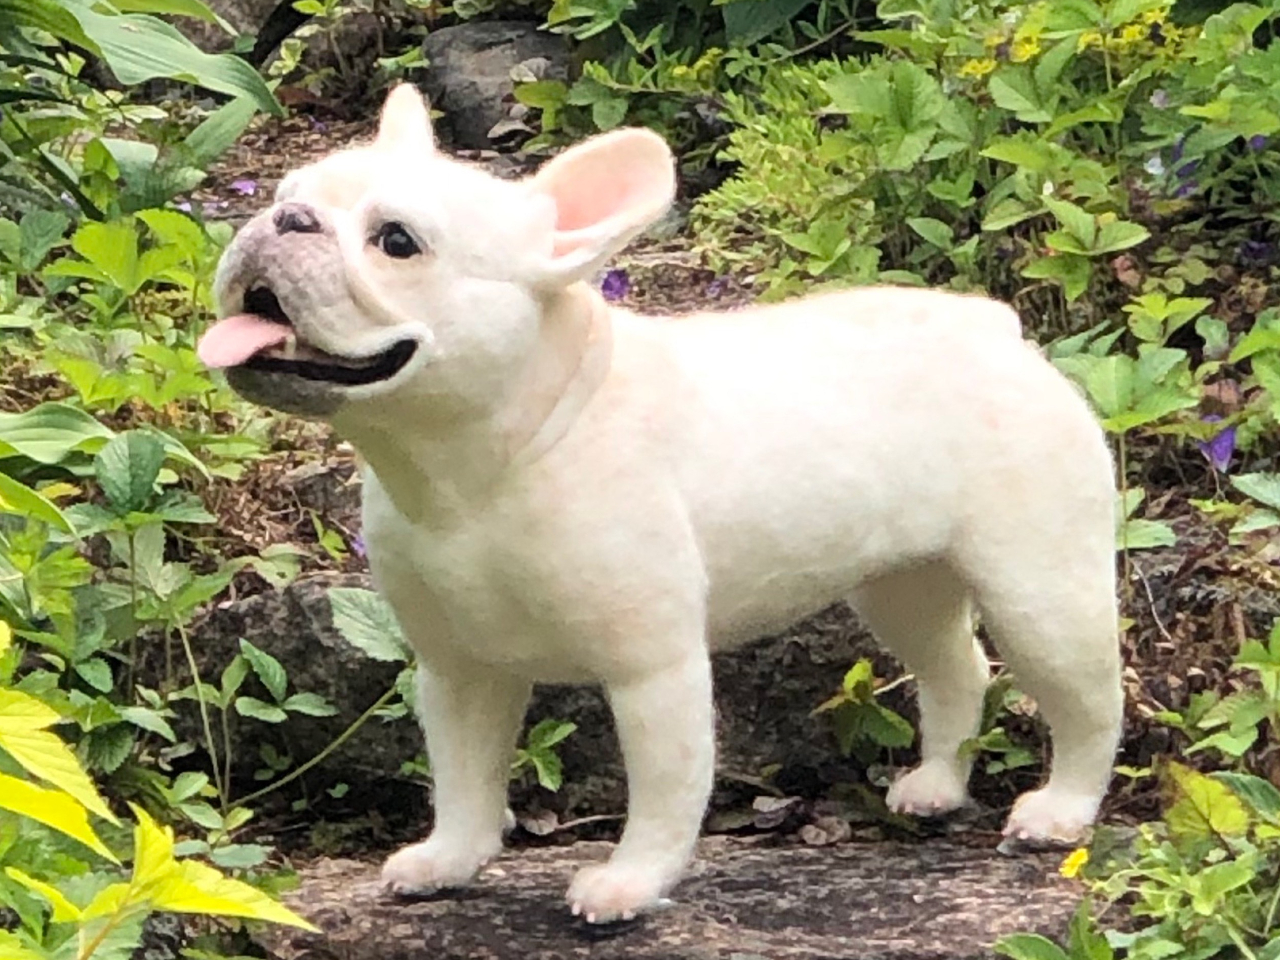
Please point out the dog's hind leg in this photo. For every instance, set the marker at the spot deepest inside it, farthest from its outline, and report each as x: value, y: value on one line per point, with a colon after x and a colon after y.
x: 923, y: 616
x: 1049, y: 604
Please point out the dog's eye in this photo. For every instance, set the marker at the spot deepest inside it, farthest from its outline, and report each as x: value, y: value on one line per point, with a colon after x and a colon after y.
x: 394, y: 240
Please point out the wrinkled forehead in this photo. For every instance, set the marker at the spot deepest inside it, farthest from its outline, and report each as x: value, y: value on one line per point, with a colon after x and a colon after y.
x: 434, y: 191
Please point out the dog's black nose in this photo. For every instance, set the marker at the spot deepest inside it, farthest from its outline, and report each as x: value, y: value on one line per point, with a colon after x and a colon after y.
x: 295, y: 218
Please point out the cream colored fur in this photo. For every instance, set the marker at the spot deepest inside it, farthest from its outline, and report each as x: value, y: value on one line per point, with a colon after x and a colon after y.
x: 559, y: 490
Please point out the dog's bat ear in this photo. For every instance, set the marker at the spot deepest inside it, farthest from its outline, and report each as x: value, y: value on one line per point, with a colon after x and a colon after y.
x: 605, y: 191
x: 406, y: 121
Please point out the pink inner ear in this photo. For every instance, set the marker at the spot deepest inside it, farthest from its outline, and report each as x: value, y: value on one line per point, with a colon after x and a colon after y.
x: 607, y: 186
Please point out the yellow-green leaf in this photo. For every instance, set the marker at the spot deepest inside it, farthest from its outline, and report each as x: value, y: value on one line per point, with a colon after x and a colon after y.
x: 54, y: 809
x: 153, y: 860
x: 198, y: 888
x: 109, y: 901
x: 64, y: 911
x: 6, y: 637
x: 1204, y: 806
x: 12, y: 948
x: 23, y: 720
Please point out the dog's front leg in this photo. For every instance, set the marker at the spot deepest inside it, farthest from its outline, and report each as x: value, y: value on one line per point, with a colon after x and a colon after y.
x: 666, y: 724
x: 471, y: 715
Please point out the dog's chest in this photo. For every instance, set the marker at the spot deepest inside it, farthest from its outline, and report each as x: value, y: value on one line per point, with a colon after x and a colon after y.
x: 473, y: 587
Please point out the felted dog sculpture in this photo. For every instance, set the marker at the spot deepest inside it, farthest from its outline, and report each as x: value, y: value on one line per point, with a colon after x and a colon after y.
x: 558, y: 490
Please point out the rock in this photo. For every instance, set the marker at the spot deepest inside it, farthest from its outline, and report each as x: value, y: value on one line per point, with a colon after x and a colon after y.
x: 743, y: 900
x: 764, y: 696
x: 469, y: 76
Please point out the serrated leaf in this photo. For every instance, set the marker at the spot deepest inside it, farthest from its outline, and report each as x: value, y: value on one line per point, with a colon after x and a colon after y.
x: 97, y: 673
x: 12, y: 948
x: 1203, y: 807
x: 127, y: 468
x: 64, y: 911
x: 54, y: 809
x: 1118, y: 235
x: 260, y: 710
x: 1259, y: 794
x: 366, y: 621
x: 267, y: 668
x: 109, y: 747
x: 149, y: 720
x: 1014, y: 90
x: 1263, y: 487
x: 23, y: 734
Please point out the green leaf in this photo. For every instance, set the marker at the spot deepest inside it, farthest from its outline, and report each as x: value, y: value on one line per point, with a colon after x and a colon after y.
x: 1077, y: 221
x: 935, y: 231
x: 547, y: 733
x: 97, y: 673
x: 1263, y: 487
x: 1118, y: 235
x: 542, y: 94
x: 750, y: 21
x: 181, y: 8
x: 549, y: 769
x: 240, y: 856
x: 111, y: 248
x: 608, y: 113
x: 219, y: 131
x: 1145, y: 535
x: 109, y: 747
x: 268, y: 669
x: 311, y: 704
x: 1085, y: 942
x: 1029, y: 946
x: 149, y: 720
x: 49, y: 433
x: 1014, y: 89
x: 1021, y: 152
x: 39, y: 232
x: 1259, y: 794
x: 18, y: 498
x: 138, y: 48
x: 366, y: 621
x: 260, y: 710
x: 127, y: 468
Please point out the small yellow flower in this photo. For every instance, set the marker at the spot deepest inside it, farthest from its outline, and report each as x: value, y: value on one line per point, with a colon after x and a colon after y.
x: 1071, y: 866
x: 1132, y: 34
x: 1090, y: 38
x: 1155, y: 16
x: 993, y: 40
x: 1024, y: 49
x: 977, y: 68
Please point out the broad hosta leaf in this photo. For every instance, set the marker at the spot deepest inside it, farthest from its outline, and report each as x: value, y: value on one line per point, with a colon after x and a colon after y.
x: 54, y: 809
x: 127, y: 468
x: 365, y: 621
x: 18, y: 498
x: 138, y: 48
x: 50, y: 433
x: 24, y: 736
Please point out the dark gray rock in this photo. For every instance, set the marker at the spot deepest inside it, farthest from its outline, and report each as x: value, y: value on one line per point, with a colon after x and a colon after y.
x: 764, y: 696
x: 743, y: 900
x: 469, y: 75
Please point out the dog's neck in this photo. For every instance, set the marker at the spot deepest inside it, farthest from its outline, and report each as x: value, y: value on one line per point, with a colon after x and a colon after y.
x: 442, y: 468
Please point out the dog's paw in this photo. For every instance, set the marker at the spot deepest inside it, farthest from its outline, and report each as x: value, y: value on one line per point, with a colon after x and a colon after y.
x: 929, y: 790
x: 1049, y: 817
x: 427, y: 867
x: 609, y: 892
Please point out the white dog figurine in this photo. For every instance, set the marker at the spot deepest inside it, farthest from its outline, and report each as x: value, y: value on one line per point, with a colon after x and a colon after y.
x: 559, y: 490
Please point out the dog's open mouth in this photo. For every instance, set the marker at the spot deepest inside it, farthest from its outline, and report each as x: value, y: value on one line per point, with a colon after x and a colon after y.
x: 263, y: 338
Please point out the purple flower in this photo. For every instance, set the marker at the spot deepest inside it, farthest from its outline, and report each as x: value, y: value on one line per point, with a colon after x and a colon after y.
x: 1256, y: 251
x: 184, y: 206
x: 1186, y: 189
x: 1257, y: 143
x: 717, y: 287
x: 1187, y: 169
x: 1219, y: 448
x: 357, y: 546
x: 213, y: 206
x: 1160, y: 99
x: 615, y: 285
x: 1178, y: 146
x: 317, y: 125
x: 246, y: 188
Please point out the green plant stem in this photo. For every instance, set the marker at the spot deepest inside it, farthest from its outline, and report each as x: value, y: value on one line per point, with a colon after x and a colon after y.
x: 210, y: 745
x: 1239, y: 942
x: 324, y: 754
x: 1270, y: 922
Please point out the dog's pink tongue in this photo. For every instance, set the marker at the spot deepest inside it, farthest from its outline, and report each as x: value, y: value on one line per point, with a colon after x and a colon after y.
x: 234, y: 340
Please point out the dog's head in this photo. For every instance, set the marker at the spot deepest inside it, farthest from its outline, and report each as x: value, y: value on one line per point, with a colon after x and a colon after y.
x: 389, y: 270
